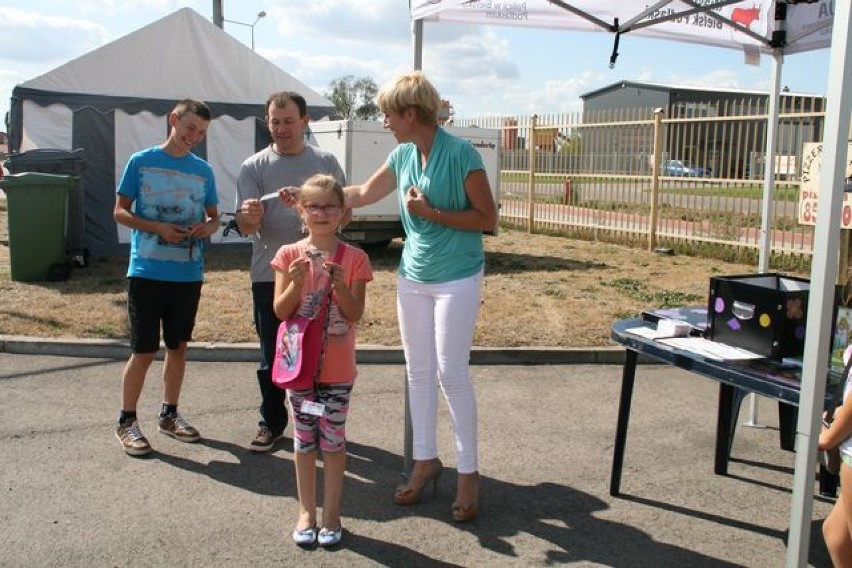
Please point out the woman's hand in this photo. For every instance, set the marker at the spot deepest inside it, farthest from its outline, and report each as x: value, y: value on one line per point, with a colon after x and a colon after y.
x: 416, y: 202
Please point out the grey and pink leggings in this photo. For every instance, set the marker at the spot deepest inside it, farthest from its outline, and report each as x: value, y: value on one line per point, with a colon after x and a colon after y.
x: 330, y: 428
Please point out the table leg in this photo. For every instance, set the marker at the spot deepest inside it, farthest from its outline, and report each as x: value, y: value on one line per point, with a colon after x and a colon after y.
x: 730, y: 400
x: 628, y: 375
x: 788, y: 416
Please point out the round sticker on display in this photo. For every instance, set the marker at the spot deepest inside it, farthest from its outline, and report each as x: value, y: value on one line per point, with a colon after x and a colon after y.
x: 765, y: 320
x: 719, y: 306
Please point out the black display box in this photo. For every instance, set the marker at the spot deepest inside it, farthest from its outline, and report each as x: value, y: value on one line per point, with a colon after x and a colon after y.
x: 762, y: 313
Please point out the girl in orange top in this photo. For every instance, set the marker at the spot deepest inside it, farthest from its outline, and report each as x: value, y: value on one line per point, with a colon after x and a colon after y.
x: 303, y: 272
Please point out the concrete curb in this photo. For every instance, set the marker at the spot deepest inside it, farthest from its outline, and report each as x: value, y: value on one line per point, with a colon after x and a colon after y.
x: 366, y: 354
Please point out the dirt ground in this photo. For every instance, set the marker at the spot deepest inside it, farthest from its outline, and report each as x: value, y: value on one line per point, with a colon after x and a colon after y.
x: 539, y: 291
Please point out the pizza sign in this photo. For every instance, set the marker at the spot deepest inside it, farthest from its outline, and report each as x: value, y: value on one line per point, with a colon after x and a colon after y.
x: 809, y: 186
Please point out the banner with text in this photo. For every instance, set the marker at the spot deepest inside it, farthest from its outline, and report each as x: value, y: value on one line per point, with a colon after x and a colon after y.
x: 809, y: 186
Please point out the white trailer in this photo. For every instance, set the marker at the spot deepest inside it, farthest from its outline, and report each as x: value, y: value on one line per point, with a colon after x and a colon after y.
x: 362, y: 146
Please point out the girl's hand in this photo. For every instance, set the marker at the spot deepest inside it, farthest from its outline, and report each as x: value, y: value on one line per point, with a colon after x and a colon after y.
x: 289, y: 195
x: 298, y: 270
x: 335, y: 271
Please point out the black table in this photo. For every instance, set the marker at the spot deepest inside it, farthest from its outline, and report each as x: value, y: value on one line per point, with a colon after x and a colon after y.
x: 736, y: 380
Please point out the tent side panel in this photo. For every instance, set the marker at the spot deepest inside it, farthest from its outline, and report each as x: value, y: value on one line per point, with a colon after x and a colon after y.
x: 94, y: 131
x: 46, y: 127
x: 229, y: 143
x: 262, y: 138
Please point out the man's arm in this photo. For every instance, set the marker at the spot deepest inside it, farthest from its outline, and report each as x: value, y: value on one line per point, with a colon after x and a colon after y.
x: 249, y: 210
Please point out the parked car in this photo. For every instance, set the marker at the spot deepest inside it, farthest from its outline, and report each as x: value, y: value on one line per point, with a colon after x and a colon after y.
x: 682, y: 168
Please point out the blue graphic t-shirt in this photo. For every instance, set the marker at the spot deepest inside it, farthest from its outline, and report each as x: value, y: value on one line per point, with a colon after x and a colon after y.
x: 169, y: 190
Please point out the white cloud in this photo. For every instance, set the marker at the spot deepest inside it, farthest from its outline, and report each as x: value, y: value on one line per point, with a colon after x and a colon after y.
x: 718, y: 78
x: 366, y: 23
x: 32, y: 37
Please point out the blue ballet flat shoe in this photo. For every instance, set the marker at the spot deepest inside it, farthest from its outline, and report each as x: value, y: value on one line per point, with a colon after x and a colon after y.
x: 330, y: 537
x: 305, y: 537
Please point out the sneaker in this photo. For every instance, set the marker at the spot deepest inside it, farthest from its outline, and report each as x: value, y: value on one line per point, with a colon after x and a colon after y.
x: 132, y: 440
x: 305, y: 537
x: 264, y: 439
x: 330, y: 537
x: 177, y: 427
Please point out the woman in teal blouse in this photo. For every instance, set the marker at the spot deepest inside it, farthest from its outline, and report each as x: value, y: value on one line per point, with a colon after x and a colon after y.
x: 445, y: 204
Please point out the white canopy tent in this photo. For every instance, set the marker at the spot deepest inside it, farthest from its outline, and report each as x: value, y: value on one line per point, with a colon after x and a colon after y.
x: 772, y: 27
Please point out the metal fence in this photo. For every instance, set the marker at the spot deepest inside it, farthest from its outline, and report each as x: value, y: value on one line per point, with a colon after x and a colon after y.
x: 593, y: 176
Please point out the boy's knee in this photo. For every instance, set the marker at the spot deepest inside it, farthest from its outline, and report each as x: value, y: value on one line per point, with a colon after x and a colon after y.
x: 143, y: 359
x: 178, y: 350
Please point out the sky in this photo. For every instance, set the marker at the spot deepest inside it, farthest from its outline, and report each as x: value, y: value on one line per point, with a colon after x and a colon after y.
x: 481, y: 70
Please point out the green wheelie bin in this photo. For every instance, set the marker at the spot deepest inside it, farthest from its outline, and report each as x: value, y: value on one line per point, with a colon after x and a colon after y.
x: 38, y: 224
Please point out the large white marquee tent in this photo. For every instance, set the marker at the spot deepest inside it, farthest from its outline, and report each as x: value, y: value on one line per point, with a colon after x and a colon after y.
x: 116, y: 99
x: 770, y: 27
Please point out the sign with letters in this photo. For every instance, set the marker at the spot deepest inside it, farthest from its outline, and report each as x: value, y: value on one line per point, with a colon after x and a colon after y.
x: 809, y: 186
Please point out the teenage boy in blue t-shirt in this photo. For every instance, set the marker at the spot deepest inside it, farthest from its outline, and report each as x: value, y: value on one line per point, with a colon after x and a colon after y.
x: 167, y: 197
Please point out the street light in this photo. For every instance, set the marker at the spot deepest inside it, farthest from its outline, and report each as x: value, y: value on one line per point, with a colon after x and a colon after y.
x: 259, y: 16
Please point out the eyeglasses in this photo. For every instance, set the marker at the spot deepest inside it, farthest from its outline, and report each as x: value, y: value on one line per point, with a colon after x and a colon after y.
x: 328, y: 209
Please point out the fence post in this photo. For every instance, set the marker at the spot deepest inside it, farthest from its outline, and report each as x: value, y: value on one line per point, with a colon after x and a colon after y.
x: 655, y: 178
x: 531, y: 187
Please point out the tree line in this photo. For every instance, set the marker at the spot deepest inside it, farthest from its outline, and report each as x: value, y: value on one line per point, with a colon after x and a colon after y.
x: 353, y: 98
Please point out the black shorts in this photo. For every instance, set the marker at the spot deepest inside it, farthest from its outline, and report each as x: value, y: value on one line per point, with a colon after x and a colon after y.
x: 151, y: 301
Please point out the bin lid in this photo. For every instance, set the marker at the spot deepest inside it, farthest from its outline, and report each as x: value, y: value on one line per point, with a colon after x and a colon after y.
x: 33, y: 179
x: 47, y: 160
x: 47, y: 155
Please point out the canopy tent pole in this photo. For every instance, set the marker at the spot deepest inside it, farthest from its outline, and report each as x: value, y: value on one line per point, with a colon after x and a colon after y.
x: 769, y: 164
x: 823, y: 278
x: 766, y: 217
x: 417, y: 43
x: 408, y: 458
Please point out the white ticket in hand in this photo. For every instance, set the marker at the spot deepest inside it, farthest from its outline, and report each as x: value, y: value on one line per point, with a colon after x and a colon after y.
x: 313, y: 408
x: 268, y: 196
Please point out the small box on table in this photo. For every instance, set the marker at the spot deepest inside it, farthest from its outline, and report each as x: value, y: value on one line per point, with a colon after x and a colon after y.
x: 762, y: 313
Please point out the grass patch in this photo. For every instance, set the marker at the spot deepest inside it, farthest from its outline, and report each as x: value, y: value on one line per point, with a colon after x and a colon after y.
x: 638, y: 290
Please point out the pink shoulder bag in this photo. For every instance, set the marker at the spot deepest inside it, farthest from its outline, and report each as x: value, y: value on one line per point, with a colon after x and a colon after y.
x: 301, y: 342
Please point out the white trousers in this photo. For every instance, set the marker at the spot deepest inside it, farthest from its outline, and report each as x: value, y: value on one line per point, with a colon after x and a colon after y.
x: 436, y: 322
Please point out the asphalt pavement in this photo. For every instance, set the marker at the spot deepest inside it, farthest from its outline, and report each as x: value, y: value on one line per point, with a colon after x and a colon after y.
x: 71, y: 497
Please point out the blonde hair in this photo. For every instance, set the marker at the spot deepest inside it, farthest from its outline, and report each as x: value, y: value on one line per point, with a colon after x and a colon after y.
x: 411, y: 90
x: 319, y: 184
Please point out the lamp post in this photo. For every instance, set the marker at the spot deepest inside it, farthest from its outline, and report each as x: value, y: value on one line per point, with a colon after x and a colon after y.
x: 259, y: 16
